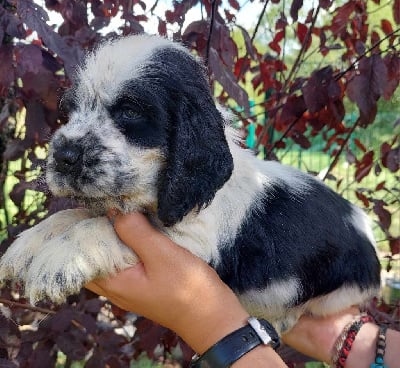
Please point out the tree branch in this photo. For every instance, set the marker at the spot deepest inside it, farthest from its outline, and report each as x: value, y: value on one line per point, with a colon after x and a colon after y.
x: 259, y: 21
x: 341, y: 74
x: 214, y: 6
x: 154, y: 7
x: 284, y: 135
x: 32, y: 308
x: 336, y: 159
x: 302, y: 50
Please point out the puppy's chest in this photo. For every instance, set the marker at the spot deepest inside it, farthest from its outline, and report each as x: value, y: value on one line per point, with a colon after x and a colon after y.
x: 200, y: 236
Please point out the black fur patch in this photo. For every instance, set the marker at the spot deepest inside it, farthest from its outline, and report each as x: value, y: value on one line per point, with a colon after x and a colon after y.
x: 139, y: 113
x: 199, y: 161
x: 310, y: 237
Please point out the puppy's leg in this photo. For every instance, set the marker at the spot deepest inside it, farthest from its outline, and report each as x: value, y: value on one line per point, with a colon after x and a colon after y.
x: 85, y: 251
x: 340, y: 299
x: 18, y: 257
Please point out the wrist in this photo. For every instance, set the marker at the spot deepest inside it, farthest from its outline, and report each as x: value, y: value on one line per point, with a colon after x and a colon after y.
x: 364, y: 346
x: 212, y: 331
x: 346, y: 341
x: 316, y: 336
x: 209, y: 322
x: 237, y: 344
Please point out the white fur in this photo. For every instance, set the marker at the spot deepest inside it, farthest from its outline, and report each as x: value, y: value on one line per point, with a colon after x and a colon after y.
x: 271, y: 299
x: 363, y: 223
x: 142, y: 166
x: 95, y: 76
x: 333, y: 302
x: 71, y: 246
x: 201, y: 233
x: 271, y: 302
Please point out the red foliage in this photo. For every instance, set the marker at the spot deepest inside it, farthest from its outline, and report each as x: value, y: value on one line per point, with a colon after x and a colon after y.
x: 38, y: 60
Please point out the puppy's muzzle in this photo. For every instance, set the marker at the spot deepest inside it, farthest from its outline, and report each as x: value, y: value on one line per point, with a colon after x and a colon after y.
x: 68, y: 158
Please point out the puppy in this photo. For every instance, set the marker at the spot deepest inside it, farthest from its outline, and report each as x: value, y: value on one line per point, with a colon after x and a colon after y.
x: 145, y: 134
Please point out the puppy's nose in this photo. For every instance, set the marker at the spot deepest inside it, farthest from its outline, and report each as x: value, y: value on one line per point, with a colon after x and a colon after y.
x: 67, y: 158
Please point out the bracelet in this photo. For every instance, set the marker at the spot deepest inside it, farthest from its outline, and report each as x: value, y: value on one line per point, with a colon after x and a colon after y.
x: 345, y: 341
x: 238, y: 343
x: 380, y: 348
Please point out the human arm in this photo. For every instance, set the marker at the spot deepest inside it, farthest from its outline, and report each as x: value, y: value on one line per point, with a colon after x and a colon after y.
x: 316, y: 337
x: 179, y: 291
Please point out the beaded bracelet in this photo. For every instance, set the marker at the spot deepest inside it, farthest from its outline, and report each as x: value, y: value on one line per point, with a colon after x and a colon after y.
x: 345, y: 341
x: 380, y: 348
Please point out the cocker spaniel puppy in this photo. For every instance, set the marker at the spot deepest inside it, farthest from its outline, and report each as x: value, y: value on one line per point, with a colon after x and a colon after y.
x: 146, y: 135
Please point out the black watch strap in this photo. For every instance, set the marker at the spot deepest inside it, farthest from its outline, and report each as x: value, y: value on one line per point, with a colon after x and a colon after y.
x: 233, y: 346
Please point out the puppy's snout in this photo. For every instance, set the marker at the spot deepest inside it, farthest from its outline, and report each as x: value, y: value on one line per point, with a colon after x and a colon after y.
x: 68, y: 158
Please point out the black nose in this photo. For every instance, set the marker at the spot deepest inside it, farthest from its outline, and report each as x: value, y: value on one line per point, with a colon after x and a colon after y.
x: 67, y: 158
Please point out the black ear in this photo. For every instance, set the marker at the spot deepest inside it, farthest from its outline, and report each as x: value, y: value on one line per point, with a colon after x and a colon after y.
x: 199, y: 161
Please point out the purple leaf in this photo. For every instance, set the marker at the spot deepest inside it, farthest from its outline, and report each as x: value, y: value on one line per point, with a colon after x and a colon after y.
x: 394, y: 245
x: 316, y: 90
x: 15, y: 149
x: 35, y: 17
x: 6, y: 68
x: 10, y: 24
x: 367, y: 85
x: 228, y: 80
x: 294, y: 9
x: 385, y: 217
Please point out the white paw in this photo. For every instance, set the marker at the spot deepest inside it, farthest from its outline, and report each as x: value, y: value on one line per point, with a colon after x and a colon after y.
x: 16, y: 261
x: 65, y: 255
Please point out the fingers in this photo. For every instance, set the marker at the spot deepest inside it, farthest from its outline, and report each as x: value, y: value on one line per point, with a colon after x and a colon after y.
x: 136, y: 232
x: 132, y: 276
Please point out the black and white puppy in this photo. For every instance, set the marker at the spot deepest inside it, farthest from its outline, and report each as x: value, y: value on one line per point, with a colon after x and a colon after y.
x: 145, y: 135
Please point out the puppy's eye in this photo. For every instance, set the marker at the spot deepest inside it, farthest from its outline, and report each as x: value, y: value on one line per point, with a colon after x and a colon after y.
x: 129, y: 114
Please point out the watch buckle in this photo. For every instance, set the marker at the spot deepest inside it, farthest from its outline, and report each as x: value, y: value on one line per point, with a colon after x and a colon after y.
x: 259, y: 330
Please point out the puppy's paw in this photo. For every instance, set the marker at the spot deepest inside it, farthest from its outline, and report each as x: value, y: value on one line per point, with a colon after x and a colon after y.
x: 85, y: 251
x: 17, y: 259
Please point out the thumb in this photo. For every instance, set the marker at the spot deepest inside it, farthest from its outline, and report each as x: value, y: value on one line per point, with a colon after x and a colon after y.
x: 135, y: 230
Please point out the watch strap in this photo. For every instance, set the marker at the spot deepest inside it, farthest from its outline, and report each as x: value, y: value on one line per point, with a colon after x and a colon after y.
x: 233, y: 346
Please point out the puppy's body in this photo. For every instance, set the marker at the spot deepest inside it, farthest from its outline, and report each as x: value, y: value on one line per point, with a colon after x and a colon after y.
x: 144, y: 134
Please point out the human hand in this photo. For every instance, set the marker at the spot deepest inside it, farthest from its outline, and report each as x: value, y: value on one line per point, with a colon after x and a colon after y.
x: 176, y: 289
x: 316, y: 336
x: 171, y: 286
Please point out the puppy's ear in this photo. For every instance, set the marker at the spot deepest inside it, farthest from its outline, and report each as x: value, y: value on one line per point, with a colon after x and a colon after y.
x: 199, y: 161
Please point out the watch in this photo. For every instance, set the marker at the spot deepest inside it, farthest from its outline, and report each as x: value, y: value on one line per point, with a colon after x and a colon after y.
x: 233, y: 346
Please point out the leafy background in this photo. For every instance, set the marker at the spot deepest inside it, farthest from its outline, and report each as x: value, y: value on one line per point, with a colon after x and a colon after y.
x: 313, y: 84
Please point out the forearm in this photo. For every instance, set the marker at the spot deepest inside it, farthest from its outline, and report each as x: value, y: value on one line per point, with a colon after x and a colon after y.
x: 363, y: 350
x: 316, y: 338
x: 207, y: 323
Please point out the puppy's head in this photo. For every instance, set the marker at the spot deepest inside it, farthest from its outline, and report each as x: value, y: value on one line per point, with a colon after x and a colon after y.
x: 143, y: 134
